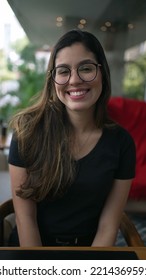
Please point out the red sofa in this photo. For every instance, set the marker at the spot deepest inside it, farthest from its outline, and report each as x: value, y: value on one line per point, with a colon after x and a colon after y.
x: 131, y: 114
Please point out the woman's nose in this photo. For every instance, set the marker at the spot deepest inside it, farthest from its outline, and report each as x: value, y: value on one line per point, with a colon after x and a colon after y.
x: 74, y: 78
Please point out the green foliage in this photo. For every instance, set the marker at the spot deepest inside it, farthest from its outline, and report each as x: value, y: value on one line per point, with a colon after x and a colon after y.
x: 30, y: 76
x: 5, y: 72
x: 20, y: 44
x: 28, y: 53
x: 135, y: 78
x: 7, y: 111
x: 32, y: 73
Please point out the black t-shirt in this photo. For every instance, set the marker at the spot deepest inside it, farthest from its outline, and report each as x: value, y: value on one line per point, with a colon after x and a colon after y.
x: 78, y: 211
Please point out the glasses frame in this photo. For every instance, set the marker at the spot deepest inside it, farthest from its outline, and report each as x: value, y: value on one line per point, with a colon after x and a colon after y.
x: 77, y: 69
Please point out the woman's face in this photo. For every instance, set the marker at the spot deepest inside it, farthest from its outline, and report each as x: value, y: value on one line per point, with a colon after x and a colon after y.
x: 76, y: 94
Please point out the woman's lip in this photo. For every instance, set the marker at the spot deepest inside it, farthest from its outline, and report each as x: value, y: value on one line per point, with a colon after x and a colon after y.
x: 76, y: 95
x: 77, y: 92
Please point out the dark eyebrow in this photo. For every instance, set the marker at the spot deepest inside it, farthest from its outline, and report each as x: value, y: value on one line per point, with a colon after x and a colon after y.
x: 63, y: 65
x: 86, y: 61
x: 80, y: 63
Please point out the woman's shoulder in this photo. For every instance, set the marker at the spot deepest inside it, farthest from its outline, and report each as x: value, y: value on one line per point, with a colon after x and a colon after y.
x: 120, y: 135
x: 117, y: 129
x: 14, y: 157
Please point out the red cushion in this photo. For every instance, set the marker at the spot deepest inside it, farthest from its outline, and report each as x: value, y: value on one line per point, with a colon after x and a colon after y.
x: 131, y: 114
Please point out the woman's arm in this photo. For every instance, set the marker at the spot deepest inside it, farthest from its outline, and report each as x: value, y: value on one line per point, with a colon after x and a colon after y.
x: 112, y: 213
x: 25, y: 210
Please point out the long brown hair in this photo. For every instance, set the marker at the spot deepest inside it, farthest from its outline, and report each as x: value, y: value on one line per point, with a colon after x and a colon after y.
x: 44, y: 131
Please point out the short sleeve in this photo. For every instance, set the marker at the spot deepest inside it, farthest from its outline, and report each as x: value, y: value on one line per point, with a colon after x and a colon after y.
x: 127, y: 156
x: 14, y: 157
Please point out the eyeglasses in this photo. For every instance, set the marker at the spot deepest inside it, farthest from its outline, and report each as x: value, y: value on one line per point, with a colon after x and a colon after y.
x: 87, y: 72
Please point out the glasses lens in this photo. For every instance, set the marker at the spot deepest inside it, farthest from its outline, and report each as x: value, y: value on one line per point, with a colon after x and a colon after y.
x: 87, y: 72
x: 61, y: 75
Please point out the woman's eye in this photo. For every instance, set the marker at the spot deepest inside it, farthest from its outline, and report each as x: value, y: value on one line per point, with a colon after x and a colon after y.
x: 62, y: 71
x: 85, y: 69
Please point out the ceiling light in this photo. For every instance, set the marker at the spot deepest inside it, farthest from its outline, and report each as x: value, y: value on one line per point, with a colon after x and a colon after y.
x: 130, y: 26
x: 58, y: 24
x: 108, y: 23
x: 103, y: 28
x: 59, y: 19
x: 80, y: 26
x: 83, y: 21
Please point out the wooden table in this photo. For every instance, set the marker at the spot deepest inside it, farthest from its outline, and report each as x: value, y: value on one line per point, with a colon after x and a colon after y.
x: 17, y: 251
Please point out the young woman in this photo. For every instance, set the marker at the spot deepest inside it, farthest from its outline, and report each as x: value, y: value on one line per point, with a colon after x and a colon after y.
x: 70, y: 166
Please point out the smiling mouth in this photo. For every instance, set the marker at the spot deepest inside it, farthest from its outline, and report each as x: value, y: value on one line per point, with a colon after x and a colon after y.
x: 77, y: 93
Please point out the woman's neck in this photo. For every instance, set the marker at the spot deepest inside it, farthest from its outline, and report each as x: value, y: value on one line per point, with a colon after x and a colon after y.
x: 82, y: 121
x: 85, y: 133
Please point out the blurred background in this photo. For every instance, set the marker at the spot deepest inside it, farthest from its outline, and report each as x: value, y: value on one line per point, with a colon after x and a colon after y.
x: 28, y: 30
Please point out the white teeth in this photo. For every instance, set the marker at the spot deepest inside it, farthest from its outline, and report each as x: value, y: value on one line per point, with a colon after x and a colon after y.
x: 77, y: 93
